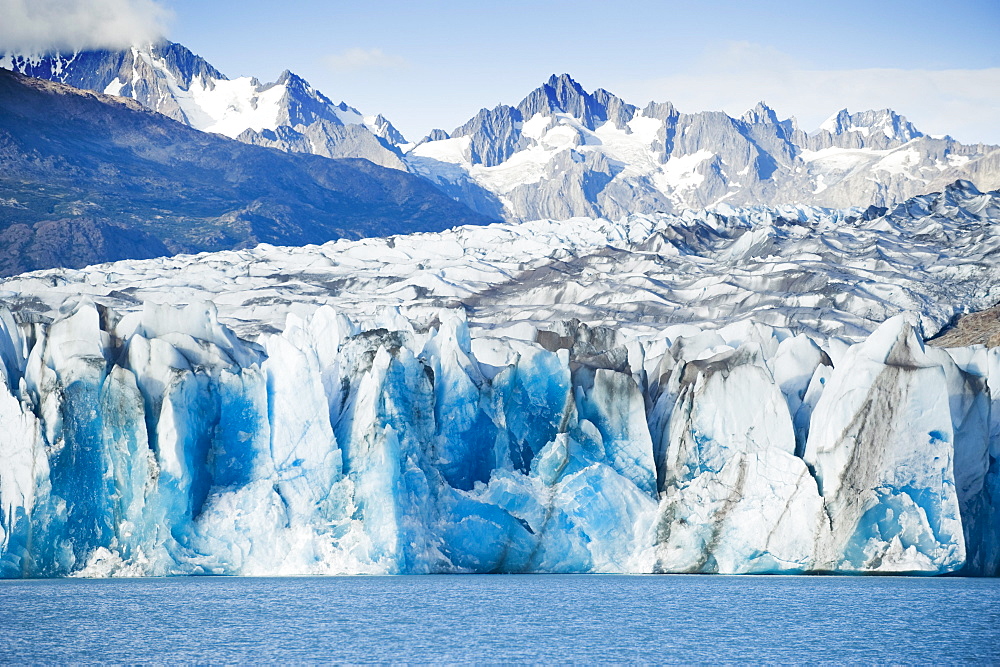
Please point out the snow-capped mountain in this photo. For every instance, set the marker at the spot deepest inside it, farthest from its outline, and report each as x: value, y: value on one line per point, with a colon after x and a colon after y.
x: 703, y: 392
x: 168, y: 78
x: 564, y: 152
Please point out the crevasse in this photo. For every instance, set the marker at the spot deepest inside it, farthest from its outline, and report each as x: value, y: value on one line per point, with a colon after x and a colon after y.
x: 158, y: 442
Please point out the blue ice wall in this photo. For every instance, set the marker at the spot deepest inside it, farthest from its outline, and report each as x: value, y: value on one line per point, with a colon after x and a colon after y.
x: 159, y: 443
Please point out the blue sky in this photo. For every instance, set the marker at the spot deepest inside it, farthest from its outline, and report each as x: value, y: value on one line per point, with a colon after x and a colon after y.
x: 435, y: 63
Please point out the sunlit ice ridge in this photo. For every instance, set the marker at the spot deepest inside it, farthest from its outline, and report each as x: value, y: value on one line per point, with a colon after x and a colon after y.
x: 731, y: 391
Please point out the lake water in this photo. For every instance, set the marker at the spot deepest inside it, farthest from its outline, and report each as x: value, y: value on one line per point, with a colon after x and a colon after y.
x: 499, y: 618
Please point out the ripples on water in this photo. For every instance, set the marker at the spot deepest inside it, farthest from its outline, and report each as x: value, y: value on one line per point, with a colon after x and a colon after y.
x: 500, y: 618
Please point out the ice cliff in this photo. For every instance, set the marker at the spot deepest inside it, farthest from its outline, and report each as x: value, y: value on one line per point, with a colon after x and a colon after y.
x: 158, y: 442
x: 739, y: 390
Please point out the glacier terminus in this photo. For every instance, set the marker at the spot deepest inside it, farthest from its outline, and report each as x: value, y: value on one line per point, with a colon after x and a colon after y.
x: 733, y: 390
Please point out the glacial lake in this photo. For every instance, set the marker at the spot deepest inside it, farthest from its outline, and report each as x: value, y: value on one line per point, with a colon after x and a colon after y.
x: 502, y: 618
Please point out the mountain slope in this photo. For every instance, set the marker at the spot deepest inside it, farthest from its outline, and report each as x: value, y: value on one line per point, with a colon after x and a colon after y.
x: 167, y: 77
x: 564, y: 152
x: 90, y: 178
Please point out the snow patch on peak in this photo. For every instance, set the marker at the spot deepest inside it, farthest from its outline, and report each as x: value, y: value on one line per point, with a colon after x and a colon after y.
x: 115, y: 87
x: 834, y: 123
x: 348, y: 115
x: 454, y: 150
x: 224, y: 106
x: 536, y: 126
x: 681, y: 172
x: 900, y: 161
x: 645, y: 129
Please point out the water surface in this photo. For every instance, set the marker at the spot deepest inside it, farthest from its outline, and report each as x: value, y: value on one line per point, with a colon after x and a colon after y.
x: 497, y: 618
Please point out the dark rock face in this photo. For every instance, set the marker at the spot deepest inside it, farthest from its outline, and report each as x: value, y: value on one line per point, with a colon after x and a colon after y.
x: 329, y: 138
x: 982, y: 328
x: 90, y: 178
x: 72, y: 242
x: 494, y: 135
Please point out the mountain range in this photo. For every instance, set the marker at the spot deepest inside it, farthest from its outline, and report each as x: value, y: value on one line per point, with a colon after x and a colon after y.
x: 564, y: 152
x: 170, y: 79
x: 560, y: 152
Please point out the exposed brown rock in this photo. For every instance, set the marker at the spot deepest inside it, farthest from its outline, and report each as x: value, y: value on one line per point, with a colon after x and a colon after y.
x: 982, y: 328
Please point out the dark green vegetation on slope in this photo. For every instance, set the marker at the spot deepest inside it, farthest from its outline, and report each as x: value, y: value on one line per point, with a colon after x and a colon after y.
x: 88, y: 178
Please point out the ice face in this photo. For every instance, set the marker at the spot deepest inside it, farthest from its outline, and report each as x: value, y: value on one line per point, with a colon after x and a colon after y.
x: 882, y: 442
x: 729, y: 464
x: 159, y: 443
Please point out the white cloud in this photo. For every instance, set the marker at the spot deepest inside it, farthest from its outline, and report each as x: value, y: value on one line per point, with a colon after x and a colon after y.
x: 964, y: 103
x: 360, y: 59
x: 37, y: 26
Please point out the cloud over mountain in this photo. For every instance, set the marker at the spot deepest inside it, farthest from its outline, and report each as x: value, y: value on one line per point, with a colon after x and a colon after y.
x: 37, y: 26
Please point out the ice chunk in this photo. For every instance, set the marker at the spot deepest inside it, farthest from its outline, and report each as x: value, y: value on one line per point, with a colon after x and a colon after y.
x: 735, y: 497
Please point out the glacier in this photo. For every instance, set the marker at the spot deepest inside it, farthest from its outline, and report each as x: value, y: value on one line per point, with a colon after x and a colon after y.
x: 738, y: 391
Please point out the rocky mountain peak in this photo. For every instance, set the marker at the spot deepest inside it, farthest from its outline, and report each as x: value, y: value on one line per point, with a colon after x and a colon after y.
x: 761, y: 113
x: 286, y: 76
x: 838, y: 123
x: 437, y: 134
x: 561, y: 94
x: 871, y: 128
x: 185, y: 64
x: 381, y: 127
x: 660, y: 110
x: 301, y: 104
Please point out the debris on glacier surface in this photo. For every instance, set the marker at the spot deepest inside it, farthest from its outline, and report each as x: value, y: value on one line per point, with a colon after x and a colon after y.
x: 738, y: 393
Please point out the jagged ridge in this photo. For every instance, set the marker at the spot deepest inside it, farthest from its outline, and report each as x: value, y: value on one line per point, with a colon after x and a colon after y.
x: 168, y: 78
x: 564, y: 152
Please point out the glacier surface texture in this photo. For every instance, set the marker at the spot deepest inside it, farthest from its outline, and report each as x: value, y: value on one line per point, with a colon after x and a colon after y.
x: 733, y: 392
